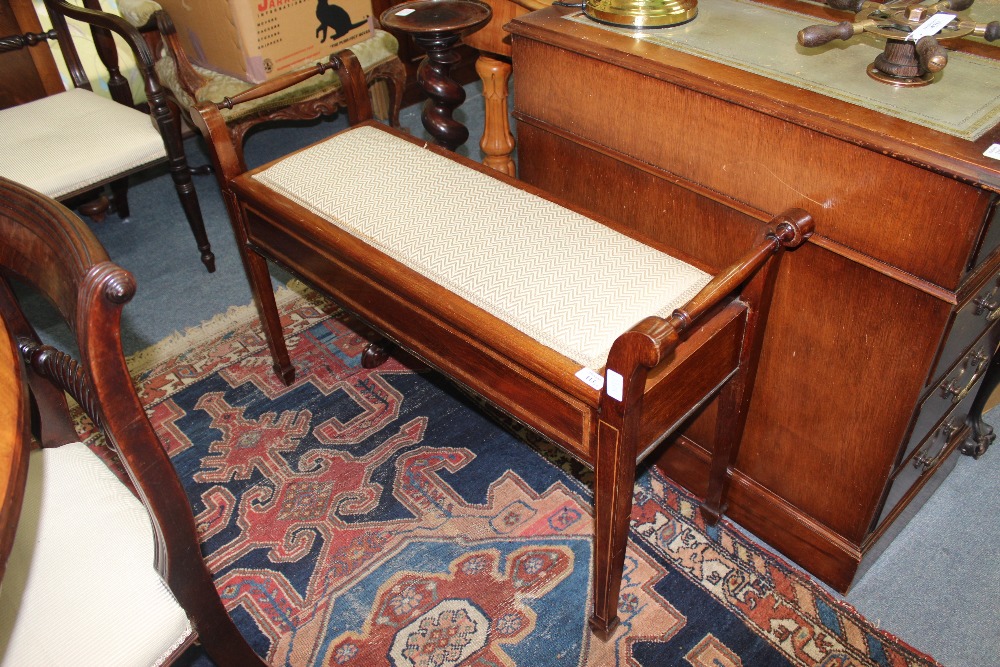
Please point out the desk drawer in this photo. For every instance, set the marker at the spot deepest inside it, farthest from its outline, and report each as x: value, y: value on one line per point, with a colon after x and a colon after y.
x: 973, y: 318
x: 990, y: 239
x: 956, y: 387
x: 925, y: 458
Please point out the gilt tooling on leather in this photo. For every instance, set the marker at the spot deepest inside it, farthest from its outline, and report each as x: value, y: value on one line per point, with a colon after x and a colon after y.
x: 567, y: 281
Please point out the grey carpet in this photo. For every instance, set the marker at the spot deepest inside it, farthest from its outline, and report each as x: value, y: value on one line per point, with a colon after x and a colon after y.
x: 937, y: 585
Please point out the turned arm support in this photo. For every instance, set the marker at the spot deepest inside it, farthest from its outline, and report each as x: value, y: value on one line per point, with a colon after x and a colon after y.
x: 654, y: 338
x: 345, y: 63
x: 18, y: 42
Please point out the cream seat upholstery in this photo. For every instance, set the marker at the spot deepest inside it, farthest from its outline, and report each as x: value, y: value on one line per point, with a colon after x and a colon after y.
x: 80, y: 587
x: 72, y: 141
x: 564, y: 279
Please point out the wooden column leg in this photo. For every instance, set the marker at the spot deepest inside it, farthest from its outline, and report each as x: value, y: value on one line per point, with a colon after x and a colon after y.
x: 259, y: 278
x: 497, y: 142
x: 263, y: 296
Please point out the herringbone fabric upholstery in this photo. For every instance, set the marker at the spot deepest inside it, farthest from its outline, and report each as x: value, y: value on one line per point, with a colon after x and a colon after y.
x: 565, y: 280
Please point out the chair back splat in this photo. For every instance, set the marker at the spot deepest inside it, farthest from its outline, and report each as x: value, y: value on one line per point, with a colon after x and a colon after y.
x: 133, y: 558
x: 605, y: 365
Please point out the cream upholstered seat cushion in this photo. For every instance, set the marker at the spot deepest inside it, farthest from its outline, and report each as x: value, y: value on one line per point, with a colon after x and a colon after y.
x: 68, y: 142
x: 80, y: 588
x: 567, y: 281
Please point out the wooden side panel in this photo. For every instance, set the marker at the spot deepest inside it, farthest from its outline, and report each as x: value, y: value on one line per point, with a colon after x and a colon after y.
x: 842, y: 369
x: 757, y: 160
x: 708, y: 230
x: 839, y: 373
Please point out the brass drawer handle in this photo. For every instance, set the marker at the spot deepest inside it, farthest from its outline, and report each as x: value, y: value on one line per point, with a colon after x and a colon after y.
x: 945, y: 433
x: 979, y: 359
x: 988, y: 304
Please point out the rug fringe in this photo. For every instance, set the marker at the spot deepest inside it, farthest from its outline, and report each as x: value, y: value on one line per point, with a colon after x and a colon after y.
x: 180, y: 341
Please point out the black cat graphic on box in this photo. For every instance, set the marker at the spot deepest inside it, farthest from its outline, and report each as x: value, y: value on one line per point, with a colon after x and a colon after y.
x: 336, y: 18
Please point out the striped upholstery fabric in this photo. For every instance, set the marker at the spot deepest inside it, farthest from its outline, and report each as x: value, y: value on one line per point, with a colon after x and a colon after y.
x: 65, y: 143
x: 80, y: 588
x: 565, y: 280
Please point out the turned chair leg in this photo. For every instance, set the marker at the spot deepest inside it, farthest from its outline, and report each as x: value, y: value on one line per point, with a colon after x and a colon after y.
x: 119, y: 198
x: 192, y: 210
x: 168, y: 122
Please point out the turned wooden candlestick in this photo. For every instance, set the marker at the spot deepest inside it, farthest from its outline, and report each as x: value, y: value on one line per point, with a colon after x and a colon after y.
x: 437, y: 26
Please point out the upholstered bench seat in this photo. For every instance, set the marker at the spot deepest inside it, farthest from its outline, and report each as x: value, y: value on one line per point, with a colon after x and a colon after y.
x: 508, y: 291
x: 569, y: 282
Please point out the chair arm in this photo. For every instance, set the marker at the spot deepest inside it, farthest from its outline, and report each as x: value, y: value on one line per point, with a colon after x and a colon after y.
x: 139, y: 12
x: 107, y: 21
x: 190, y: 80
x: 656, y: 337
x: 102, y: 25
x: 786, y: 230
x: 345, y: 63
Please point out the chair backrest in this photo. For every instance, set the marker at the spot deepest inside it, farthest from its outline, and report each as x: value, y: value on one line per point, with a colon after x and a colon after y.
x: 49, y: 249
x: 101, y: 26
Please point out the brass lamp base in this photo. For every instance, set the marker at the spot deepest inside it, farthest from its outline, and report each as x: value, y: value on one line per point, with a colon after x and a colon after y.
x: 642, y: 13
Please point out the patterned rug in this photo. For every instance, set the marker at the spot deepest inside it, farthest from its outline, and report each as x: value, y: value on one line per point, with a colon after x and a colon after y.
x: 379, y: 517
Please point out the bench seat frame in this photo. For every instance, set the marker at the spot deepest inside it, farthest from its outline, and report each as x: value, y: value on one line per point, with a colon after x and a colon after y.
x: 670, y: 367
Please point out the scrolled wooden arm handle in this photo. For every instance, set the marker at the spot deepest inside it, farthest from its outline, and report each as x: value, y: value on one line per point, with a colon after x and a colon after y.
x: 279, y: 83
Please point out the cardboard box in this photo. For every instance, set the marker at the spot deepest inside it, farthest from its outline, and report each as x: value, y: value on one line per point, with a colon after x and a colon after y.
x: 256, y: 40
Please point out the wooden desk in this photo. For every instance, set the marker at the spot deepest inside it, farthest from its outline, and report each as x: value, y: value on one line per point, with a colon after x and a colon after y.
x: 871, y: 362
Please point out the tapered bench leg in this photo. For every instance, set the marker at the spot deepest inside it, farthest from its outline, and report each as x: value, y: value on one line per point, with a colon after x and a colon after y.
x: 263, y: 295
x: 614, y: 476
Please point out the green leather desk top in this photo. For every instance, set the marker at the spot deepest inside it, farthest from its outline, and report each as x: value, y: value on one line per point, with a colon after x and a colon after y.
x: 964, y: 101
